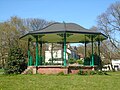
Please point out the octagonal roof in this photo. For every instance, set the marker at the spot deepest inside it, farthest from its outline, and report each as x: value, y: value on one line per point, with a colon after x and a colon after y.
x: 74, y: 33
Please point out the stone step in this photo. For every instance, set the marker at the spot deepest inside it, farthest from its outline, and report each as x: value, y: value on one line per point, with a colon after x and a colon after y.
x: 29, y: 70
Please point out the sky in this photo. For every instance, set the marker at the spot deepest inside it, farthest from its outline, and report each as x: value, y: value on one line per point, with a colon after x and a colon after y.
x: 82, y: 12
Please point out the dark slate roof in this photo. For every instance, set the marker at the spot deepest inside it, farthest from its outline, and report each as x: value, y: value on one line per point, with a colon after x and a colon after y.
x: 75, y: 33
x: 64, y: 27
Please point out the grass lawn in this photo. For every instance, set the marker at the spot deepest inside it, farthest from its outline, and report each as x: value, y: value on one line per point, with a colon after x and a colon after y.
x: 54, y: 82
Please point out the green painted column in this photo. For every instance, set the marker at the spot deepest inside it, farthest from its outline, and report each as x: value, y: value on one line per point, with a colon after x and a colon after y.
x: 40, y: 53
x: 99, y: 47
x: 62, y: 53
x: 64, y: 50
x: 92, y: 61
x: 85, y: 49
x: 29, y: 59
x: 37, y: 53
x: 99, y: 51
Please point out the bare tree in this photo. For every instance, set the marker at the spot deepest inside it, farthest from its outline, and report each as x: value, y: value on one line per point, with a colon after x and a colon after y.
x: 109, y: 23
x: 11, y: 30
x: 35, y: 23
x: 8, y: 39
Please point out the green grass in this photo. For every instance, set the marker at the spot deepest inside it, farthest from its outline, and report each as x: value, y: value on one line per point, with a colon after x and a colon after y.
x: 54, y: 82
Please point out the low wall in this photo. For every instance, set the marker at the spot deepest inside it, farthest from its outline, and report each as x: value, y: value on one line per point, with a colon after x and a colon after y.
x: 52, y: 69
x: 65, y: 70
x: 75, y: 69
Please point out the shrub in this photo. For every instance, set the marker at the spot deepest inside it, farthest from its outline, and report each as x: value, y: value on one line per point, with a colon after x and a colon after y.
x: 102, y: 73
x: 80, y: 61
x: 87, y: 61
x: 72, y: 61
x: 15, y: 63
x: 82, y: 72
x: 92, y: 72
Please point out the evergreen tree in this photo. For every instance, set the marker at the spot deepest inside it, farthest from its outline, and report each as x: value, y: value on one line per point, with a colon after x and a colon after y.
x: 16, y: 61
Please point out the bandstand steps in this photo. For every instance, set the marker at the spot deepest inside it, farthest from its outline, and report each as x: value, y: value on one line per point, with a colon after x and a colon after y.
x: 29, y: 70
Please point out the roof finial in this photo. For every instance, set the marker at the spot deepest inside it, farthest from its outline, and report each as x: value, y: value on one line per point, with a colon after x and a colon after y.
x: 64, y: 25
